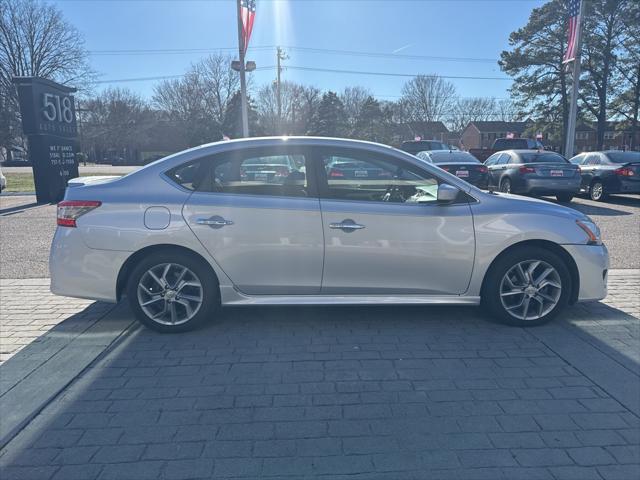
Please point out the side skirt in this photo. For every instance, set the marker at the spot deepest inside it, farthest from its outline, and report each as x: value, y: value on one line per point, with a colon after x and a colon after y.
x: 231, y: 297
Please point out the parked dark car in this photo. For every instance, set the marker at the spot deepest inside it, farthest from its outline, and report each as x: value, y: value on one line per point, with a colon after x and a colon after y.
x: 415, y: 146
x: 604, y: 173
x: 501, y: 144
x: 533, y: 173
x: 461, y: 164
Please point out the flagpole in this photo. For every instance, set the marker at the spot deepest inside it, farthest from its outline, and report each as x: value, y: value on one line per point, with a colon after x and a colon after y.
x: 575, y: 87
x: 243, y: 80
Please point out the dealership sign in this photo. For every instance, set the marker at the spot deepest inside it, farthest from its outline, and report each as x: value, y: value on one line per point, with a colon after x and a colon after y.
x: 49, y: 120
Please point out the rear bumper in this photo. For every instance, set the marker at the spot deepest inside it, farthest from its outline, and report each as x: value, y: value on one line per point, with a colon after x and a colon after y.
x: 83, y: 272
x: 593, y: 264
x: 543, y: 186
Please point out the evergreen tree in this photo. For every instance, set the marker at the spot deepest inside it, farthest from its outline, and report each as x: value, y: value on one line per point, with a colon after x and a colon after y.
x: 329, y: 120
x: 232, y: 123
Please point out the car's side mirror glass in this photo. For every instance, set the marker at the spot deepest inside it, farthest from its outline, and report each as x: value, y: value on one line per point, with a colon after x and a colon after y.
x: 447, y: 193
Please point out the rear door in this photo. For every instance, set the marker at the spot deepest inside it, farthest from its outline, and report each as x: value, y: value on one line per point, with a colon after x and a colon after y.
x: 388, y: 235
x: 258, y: 215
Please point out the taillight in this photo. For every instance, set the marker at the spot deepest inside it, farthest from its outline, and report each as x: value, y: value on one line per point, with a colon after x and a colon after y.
x: 624, y: 172
x: 524, y: 169
x: 333, y: 173
x: 70, y: 210
x: 446, y: 169
x: 482, y: 169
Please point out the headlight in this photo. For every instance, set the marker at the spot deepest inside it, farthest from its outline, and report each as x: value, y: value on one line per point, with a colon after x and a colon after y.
x: 592, y: 231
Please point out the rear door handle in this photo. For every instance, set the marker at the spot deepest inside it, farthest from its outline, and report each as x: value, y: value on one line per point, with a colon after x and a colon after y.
x: 215, y: 221
x: 347, y: 224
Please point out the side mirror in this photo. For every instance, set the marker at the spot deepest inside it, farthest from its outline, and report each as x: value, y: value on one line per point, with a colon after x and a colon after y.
x: 447, y: 193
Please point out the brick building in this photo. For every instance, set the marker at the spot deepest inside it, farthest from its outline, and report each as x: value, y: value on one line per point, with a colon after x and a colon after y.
x: 482, y: 134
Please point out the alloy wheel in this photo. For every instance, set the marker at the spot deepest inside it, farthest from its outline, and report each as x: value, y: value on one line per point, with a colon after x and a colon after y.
x: 170, y: 294
x: 596, y: 191
x: 505, y: 186
x: 530, y: 290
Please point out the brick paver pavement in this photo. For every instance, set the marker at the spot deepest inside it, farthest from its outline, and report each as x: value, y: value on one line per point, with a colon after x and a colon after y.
x: 382, y: 393
x: 28, y: 310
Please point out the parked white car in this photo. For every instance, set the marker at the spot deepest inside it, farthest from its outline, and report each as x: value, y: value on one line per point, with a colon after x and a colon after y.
x: 283, y: 221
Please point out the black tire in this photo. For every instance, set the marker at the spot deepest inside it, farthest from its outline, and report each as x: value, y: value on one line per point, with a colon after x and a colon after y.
x: 210, y: 290
x: 565, y: 197
x: 505, y: 185
x: 491, y: 288
x: 597, y: 192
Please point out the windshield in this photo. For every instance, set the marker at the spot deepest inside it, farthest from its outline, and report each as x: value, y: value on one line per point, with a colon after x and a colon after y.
x: 624, y: 157
x: 511, y: 143
x: 536, y: 157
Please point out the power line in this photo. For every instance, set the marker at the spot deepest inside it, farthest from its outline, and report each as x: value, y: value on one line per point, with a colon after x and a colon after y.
x: 323, y: 51
x: 160, y: 77
x: 389, y: 74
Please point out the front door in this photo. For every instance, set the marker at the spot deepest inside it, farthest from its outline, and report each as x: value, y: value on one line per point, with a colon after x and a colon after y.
x: 384, y: 231
x: 257, y: 214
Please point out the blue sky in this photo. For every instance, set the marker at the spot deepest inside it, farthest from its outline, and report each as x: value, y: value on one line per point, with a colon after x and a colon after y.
x: 441, y: 28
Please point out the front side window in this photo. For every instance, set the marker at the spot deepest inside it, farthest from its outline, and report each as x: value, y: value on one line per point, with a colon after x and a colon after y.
x: 504, y: 159
x: 578, y: 160
x: 372, y: 179
x: 276, y: 175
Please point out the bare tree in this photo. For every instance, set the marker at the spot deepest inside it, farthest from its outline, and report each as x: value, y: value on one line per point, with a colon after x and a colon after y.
x: 354, y: 99
x: 116, y: 123
x: 35, y: 40
x: 197, y: 103
x: 471, y: 109
x: 428, y: 98
x: 508, y: 111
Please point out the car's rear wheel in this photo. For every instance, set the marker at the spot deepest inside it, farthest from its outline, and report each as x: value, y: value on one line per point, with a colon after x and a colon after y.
x: 172, y: 291
x: 527, y: 287
x: 564, y: 197
x: 505, y: 185
x: 596, y: 191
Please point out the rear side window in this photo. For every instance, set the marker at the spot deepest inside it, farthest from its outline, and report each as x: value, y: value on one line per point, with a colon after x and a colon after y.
x: 275, y: 175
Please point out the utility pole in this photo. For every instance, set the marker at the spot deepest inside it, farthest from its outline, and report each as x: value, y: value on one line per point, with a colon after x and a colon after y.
x: 243, y: 80
x: 280, y: 55
x: 575, y: 87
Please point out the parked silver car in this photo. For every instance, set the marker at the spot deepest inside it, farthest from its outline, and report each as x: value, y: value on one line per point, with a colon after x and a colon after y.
x: 191, y: 232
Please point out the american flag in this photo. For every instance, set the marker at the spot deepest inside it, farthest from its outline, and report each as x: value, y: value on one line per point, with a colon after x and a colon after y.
x: 574, y: 26
x: 248, y: 14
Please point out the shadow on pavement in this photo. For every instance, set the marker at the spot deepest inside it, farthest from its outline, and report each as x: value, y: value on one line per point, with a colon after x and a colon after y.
x: 340, y: 392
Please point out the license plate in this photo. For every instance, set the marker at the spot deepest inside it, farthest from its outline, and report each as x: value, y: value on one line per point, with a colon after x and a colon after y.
x: 261, y: 176
x: 462, y: 173
x: 557, y: 173
x: 361, y: 173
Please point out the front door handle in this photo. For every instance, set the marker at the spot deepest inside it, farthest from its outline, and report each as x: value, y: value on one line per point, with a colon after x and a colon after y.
x: 216, y: 221
x: 347, y: 225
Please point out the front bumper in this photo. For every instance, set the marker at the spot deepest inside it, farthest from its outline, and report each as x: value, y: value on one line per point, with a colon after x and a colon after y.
x: 83, y: 272
x: 593, y: 265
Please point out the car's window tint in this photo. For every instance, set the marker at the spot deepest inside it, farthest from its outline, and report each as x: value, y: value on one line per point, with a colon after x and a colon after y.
x: 592, y: 159
x: 278, y: 175
x: 377, y: 180
x: 504, y: 158
x: 578, y: 160
x: 446, y: 157
x: 624, y: 157
x: 493, y: 159
x: 542, y: 157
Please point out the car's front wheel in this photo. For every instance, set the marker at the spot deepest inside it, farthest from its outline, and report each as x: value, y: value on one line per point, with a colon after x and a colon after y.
x: 172, y: 291
x: 527, y: 287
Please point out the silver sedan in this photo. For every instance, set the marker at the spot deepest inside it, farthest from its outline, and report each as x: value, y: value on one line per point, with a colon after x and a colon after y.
x: 299, y: 221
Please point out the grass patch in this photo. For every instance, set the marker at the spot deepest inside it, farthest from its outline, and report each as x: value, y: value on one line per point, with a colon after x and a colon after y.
x: 23, y: 182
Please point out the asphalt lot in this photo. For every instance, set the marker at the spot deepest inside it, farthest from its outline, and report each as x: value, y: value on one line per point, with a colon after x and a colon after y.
x: 26, y: 231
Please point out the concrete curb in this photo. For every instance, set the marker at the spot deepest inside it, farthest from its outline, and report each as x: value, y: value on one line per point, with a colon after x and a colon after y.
x: 23, y: 396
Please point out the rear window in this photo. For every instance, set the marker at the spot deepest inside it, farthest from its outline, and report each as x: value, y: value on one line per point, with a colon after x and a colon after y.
x: 422, y: 145
x: 624, y: 157
x: 511, y: 144
x: 536, y: 157
x: 447, y: 157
